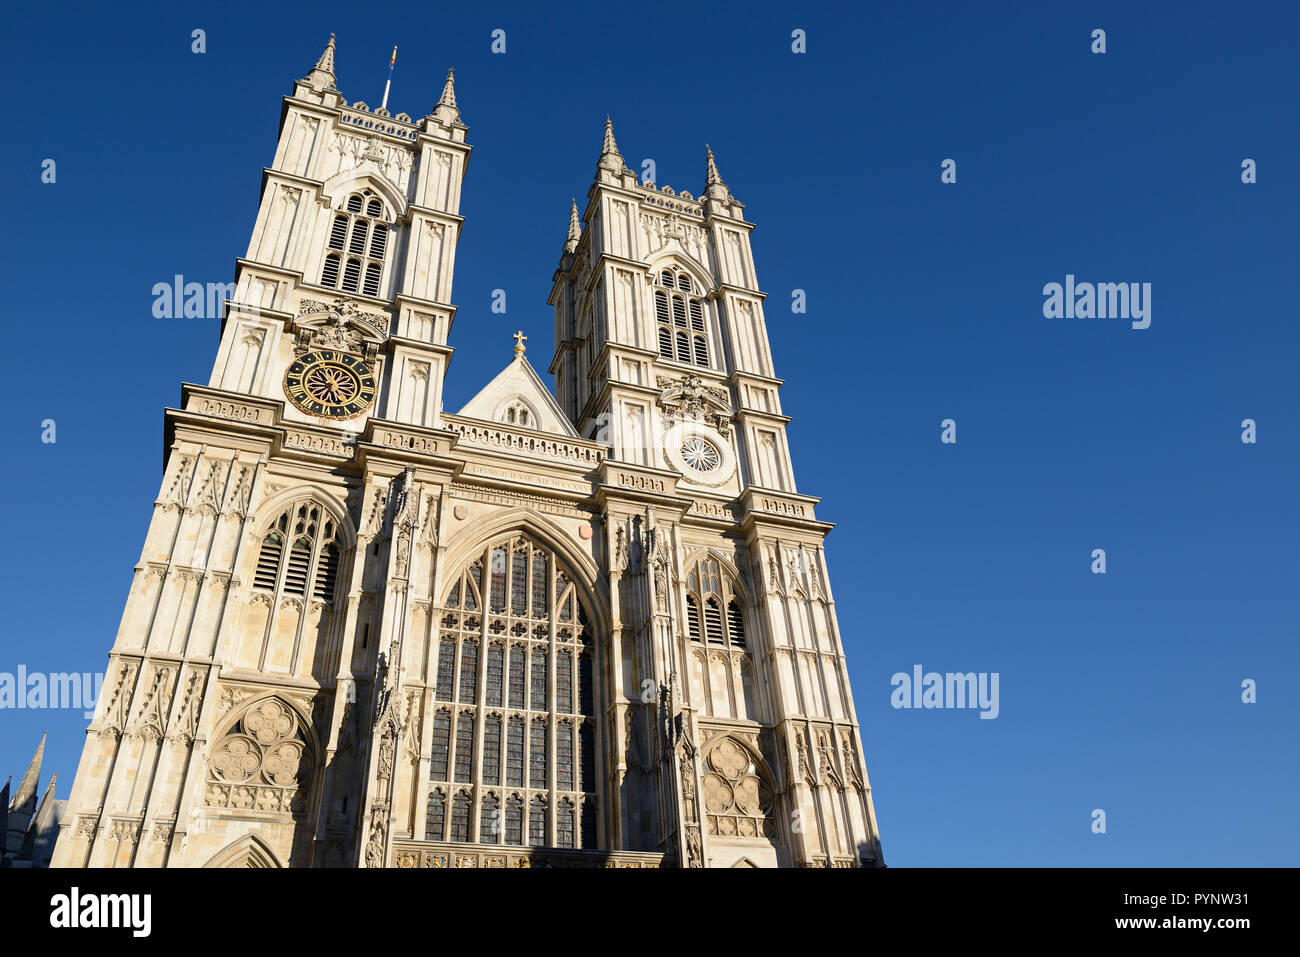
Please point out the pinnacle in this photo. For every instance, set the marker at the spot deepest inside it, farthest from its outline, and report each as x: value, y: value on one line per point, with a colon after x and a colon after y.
x: 575, y: 228
x: 711, y: 176
x: 326, y: 61
x: 448, y: 97
x: 610, y: 158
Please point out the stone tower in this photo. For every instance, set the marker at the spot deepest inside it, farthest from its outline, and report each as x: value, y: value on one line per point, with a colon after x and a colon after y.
x: 367, y: 631
x: 718, y: 584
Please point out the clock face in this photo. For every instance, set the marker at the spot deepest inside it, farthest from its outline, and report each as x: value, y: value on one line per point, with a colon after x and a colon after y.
x: 333, y: 385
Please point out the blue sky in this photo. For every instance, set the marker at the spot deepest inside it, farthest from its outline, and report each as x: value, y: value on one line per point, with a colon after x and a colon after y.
x: 1118, y: 691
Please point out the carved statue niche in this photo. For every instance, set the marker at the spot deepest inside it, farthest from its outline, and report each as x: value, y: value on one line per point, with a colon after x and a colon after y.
x: 688, y: 398
x: 340, y: 324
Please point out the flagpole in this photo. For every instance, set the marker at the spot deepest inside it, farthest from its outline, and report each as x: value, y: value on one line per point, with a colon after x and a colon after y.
x: 389, y: 82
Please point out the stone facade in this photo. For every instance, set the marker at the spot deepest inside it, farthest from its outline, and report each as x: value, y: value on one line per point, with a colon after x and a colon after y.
x: 589, y: 629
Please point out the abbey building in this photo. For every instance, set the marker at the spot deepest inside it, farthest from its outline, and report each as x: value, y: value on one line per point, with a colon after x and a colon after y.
x: 593, y: 628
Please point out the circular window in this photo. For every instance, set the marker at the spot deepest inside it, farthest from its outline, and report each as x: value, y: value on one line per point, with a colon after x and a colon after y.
x: 700, y: 454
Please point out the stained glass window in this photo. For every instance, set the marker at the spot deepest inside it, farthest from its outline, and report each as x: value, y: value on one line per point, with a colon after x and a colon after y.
x: 509, y: 654
x: 441, y: 746
x: 435, y: 816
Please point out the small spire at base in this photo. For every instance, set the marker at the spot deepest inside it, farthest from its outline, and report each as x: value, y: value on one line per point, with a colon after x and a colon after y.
x: 448, y: 97
x: 714, y: 187
x: 326, y: 62
x: 575, y: 228
x: 610, y: 158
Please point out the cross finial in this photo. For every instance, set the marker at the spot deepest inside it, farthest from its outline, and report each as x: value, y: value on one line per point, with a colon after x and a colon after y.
x: 520, y: 339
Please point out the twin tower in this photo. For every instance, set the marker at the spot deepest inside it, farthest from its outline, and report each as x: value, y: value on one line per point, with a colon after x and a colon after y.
x: 593, y: 628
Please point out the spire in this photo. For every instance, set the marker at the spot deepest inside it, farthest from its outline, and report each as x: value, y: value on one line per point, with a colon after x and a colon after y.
x: 575, y: 230
x: 714, y: 187
x: 711, y: 174
x: 27, y: 788
x: 448, y: 97
x: 321, y: 76
x: 610, y: 158
x: 326, y: 62
x: 446, y: 111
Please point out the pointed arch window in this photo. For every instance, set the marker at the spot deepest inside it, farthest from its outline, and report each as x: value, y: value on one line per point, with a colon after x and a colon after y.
x: 311, y: 560
x: 715, y: 620
x: 515, y: 664
x: 681, y: 327
x: 357, y: 245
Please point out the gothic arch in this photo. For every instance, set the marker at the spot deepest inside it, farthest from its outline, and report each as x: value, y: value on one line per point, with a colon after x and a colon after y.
x: 265, y: 756
x: 728, y: 567
x: 667, y: 255
x: 592, y: 588
x: 738, y: 800
x: 245, y: 852
x: 270, y: 509
x: 335, y: 189
x: 516, y: 401
x: 518, y: 697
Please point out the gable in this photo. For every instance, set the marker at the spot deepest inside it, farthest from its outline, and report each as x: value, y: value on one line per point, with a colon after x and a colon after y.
x: 519, y: 389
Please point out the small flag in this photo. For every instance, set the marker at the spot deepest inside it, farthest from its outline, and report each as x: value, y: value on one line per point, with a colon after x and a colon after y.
x: 389, y: 82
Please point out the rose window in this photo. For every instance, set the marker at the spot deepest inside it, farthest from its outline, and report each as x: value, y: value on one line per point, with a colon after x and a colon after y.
x: 737, y: 802
x: 700, y: 454
x: 263, y: 763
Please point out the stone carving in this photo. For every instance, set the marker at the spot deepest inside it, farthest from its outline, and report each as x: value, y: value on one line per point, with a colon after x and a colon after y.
x: 378, y: 833
x: 347, y: 328
x: 263, y: 762
x: 687, y: 398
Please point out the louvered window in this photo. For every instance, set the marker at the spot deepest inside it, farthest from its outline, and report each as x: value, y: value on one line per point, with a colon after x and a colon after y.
x: 327, y: 570
x: 360, y: 230
x: 300, y: 556
x: 379, y: 242
x: 665, y: 341
x: 351, y: 275
x: 295, y: 575
x: 268, y: 562
x: 693, y: 617
x: 330, y: 274
x: 678, y: 307
x: 713, y: 621
x: 736, y: 625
